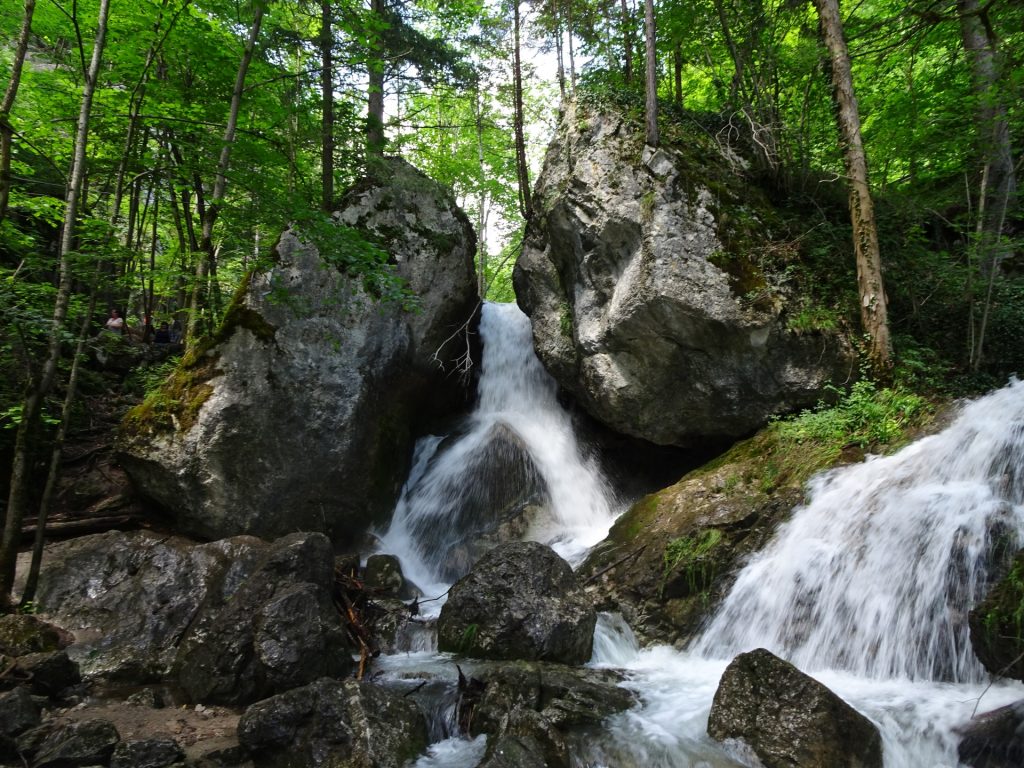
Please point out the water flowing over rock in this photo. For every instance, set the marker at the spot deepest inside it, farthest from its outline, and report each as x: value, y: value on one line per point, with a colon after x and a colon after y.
x: 301, y: 416
x: 994, y: 739
x: 788, y: 719
x: 521, y: 601
x: 640, y: 275
x: 997, y: 625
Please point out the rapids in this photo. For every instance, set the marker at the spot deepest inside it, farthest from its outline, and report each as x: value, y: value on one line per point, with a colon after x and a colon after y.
x: 867, y: 587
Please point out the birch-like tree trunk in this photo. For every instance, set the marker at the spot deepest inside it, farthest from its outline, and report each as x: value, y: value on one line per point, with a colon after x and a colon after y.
x: 206, y: 264
x: 41, y: 382
x: 6, y: 129
x: 871, y: 288
x: 651, y: 111
x: 522, y: 168
x: 327, y: 102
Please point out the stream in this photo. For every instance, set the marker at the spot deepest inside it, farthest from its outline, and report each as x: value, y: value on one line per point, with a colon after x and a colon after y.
x: 866, y: 588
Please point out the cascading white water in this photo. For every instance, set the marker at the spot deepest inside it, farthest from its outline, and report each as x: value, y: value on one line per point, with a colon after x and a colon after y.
x: 867, y: 588
x: 518, y: 425
x: 877, y: 573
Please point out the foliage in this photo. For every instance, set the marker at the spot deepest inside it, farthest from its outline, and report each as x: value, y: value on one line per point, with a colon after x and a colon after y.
x: 865, y: 416
x: 689, y: 554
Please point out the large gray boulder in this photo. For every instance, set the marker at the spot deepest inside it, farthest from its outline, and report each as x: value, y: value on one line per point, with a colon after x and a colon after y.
x: 788, y: 719
x: 643, y: 276
x: 301, y: 414
x: 232, y: 620
x: 333, y: 724
x: 520, y: 601
x: 994, y: 739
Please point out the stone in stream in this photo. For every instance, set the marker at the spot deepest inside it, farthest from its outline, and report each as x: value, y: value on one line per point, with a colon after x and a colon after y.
x: 333, y: 723
x: 788, y: 719
x: 994, y: 739
x: 996, y: 627
x: 521, y: 601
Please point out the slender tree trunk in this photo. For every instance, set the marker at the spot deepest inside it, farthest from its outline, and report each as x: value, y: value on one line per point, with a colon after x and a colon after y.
x: 677, y: 70
x: 627, y: 42
x: 209, y: 216
x: 651, y: 112
x: 53, y: 475
x: 522, y: 168
x: 6, y: 129
x: 572, y: 54
x: 39, y: 388
x: 559, y: 53
x: 375, y: 140
x: 873, y: 306
x: 327, y: 101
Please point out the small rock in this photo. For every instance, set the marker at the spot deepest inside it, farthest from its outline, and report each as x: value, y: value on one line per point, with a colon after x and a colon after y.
x: 18, y: 712
x: 82, y: 743
x: 147, y: 753
x: 51, y: 672
x: 23, y: 634
x: 994, y: 739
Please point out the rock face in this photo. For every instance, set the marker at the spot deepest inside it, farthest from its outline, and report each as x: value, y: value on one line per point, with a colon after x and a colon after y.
x: 230, y: 621
x: 997, y: 625
x: 300, y: 416
x: 333, y: 723
x: 521, y: 601
x: 788, y: 719
x: 994, y: 739
x: 644, y: 278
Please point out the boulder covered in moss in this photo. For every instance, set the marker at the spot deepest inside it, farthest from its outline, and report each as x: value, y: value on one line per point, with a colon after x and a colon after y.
x: 658, y: 295
x: 300, y: 413
x: 997, y: 624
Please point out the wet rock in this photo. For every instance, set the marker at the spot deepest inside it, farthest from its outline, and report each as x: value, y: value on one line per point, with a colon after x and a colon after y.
x: 653, y: 294
x: 530, y: 710
x: 129, y: 597
x: 82, y: 743
x: 49, y: 673
x: 18, y: 713
x: 997, y: 629
x: 147, y: 753
x: 333, y: 723
x: 301, y: 416
x: 21, y: 634
x: 383, y: 573
x: 789, y: 719
x: 521, y: 601
x: 278, y: 630
x: 994, y: 739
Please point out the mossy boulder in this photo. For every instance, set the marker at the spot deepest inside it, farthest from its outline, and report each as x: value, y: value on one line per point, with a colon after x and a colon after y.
x: 299, y: 413
x: 659, y: 293
x: 997, y: 624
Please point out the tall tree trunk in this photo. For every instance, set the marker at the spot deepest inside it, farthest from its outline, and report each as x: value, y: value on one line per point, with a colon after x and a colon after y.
x: 651, y: 81
x: 559, y: 53
x: 6, y: 129
x: 209, y: 216
x: 874, y: 314
x: 41, y: 384
x: 375, y: 140
x: 327, y: 101
x: 522, y: 168
x: 677, y: 69
x: 572, y: 54
x: 627, y: 42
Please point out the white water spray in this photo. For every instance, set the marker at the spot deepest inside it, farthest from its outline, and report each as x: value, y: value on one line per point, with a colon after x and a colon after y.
x: 519, y: 442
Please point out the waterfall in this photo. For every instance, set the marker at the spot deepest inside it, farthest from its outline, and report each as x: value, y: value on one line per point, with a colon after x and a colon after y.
x: 877, y: 573
x: 514, y: 470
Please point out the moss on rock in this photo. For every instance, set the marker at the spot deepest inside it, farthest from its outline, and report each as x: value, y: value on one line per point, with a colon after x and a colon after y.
x: 997, y: 624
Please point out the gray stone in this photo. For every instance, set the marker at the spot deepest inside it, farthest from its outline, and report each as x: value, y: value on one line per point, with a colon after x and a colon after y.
x: 18, y: 712
x: 789, y: 719
x: 146, y: 753
x: 383, y: 573
x: 129, y: 597
x: 301, y: 415
x: 81, y: 743
x: 520, y: 601
x: 333, y: 724
x: 21, y: 634
x: 994, y: 739
x: 649, y: 299
x: 278, y: 630
x: 49, y: 672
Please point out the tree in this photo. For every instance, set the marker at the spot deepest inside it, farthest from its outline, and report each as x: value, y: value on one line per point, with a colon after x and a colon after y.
x: 6, y: 130
x: 871, y: 289
x: 42, y: 382
x: 651, y: 81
